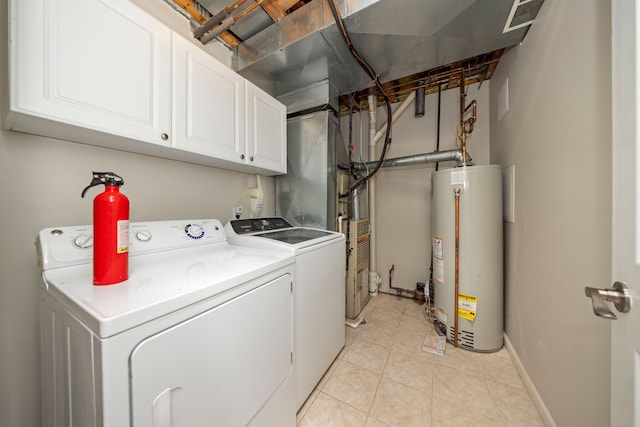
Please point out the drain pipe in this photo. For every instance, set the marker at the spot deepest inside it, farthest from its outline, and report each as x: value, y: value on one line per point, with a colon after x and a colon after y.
x: 374, y: 136
x: 374, y: 277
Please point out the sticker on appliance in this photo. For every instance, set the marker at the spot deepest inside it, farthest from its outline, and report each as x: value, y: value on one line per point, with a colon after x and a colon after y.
x: 467, y: 306
x: 436, y: 247
x: 458, y: 177
x: 438, y: 270
x: 442, y: 316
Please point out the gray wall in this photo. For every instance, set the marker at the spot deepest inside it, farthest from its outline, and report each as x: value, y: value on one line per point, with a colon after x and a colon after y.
x: 404, y: 194
x: 557, y: 133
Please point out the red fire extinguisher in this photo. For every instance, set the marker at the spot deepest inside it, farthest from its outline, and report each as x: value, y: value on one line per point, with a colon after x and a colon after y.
x: 110, y: 230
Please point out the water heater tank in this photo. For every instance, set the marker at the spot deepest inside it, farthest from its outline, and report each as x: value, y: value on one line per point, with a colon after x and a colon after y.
x: 467, y: 203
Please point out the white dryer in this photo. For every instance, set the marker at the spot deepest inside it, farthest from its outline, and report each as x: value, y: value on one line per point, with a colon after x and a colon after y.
x: 200, y: 334
x: 319, y: 288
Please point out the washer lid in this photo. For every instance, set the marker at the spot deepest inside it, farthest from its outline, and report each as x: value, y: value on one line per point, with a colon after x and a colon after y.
x: 160, y: 283
x: 295, y: 235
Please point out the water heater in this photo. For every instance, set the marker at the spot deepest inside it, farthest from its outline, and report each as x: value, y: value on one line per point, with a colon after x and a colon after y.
x: 466, y: 226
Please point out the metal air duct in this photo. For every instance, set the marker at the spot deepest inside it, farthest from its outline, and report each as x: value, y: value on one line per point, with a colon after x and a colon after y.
x: 398, y: 38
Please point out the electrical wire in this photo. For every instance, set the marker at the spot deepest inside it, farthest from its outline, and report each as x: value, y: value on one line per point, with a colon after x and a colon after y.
x: 371, y: 73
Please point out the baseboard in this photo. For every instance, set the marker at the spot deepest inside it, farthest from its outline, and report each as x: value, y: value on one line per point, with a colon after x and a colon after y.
x: 543, y: 411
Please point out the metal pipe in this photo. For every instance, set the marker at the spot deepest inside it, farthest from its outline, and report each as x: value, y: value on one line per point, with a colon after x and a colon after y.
x: 420, y: 99
x: 216, y: 19
x: 419, y: 159
x: 456, y: 193
x: 400, y: 291
x: 227, y: 23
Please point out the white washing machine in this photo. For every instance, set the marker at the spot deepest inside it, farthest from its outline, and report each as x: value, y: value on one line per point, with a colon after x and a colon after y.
x: 319, y: 289
x: 200, y: 334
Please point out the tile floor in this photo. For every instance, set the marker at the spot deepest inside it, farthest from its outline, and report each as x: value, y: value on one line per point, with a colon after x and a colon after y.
x: 383, y: 378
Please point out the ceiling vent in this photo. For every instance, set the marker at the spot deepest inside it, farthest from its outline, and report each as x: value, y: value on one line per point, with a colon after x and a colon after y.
x: 523, y: 12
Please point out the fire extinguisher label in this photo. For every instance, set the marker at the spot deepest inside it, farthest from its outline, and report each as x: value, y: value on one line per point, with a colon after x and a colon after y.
x: 123, y: 236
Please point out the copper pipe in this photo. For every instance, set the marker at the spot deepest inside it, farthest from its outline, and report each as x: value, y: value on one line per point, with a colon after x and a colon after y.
x: 464, y: 148
x: 456, y: 193
x: 470, y: 121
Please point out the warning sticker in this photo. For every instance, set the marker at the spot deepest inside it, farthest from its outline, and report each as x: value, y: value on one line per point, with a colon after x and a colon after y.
x: 123, y: 236
x: 467, y: 306
x: 458, y: 177
x: 438, y: 270
x: 442, y: 316
x: 437, y: 248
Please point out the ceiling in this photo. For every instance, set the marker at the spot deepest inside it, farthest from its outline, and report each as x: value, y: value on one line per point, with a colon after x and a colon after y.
x: 283, y: 45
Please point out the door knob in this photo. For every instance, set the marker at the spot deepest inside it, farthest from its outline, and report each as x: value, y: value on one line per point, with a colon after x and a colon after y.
x: 619, y: 296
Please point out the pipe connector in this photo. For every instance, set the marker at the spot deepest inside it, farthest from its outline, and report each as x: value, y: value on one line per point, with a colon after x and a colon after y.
x: 374, y: 282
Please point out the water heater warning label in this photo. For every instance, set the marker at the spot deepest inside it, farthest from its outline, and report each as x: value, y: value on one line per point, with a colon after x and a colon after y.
x: 467, y: 306
x: 438, y: 270
x: 437, y: 248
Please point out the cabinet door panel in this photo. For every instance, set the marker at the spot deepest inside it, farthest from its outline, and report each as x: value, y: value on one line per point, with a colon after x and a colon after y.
x: 208, y: 104
x: 99, y: 64
x: 266, y: 130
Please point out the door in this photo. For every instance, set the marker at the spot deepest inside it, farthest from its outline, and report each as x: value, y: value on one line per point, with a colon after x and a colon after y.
x: 208, y: 104
x: 221, y: 367
x: 266, y: 130
x: 625, y: 356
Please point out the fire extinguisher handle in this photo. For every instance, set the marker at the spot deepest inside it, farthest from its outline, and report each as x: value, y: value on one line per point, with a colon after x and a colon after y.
x: 105, y: 178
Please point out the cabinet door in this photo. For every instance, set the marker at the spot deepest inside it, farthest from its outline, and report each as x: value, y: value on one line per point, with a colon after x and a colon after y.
x: 266, y: 130
x: 98, y: 64
x: 218, y: 368
x: 208, y: 110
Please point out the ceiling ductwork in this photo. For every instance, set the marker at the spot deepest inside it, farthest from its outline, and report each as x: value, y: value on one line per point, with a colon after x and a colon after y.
x: 397, y: 38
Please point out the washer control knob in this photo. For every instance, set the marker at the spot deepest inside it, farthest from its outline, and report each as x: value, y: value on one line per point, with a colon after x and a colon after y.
x: 143, y: 235
x: 195, y: 231
x: 83, y: 241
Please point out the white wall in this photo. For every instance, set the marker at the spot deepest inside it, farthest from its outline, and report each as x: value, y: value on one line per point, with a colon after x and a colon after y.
x: 404, y: 194
x: 557, y: 133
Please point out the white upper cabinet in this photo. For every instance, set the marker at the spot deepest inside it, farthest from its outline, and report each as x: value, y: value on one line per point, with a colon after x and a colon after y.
x: 266, y: 130
x: 97, y: 64
x: 106, y: 73
x: 208, y: 104
x: 218, y: 113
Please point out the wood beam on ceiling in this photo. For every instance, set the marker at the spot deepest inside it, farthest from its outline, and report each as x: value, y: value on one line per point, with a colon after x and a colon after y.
x: 274, y: 9
x: 475, y: 70
x: 190, y: 7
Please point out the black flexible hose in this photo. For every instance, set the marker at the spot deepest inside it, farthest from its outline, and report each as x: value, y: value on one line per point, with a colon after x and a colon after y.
x: 367, y: 68
x: 438, y: 131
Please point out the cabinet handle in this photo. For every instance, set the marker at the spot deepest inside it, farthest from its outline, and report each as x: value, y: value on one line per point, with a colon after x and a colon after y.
x: 251, y: 159
x: 164, y: 136
x: 242, y: 156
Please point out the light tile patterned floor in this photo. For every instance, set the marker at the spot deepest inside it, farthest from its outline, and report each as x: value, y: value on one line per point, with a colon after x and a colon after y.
x: 383, y: 378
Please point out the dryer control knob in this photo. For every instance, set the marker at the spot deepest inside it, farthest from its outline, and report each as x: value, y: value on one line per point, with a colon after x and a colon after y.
x: 143, y: 235
x: 195, y: 231
x: 83, y: 241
